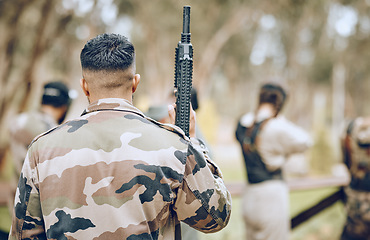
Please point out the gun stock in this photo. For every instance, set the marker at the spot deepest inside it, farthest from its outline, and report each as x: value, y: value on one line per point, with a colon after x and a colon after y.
x: 183, y: 74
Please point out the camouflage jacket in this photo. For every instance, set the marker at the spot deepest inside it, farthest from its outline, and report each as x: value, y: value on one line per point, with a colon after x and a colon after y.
x: 115, y: 174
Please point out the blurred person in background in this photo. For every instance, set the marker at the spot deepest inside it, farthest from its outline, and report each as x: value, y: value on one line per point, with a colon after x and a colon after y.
x: 195, y: 105
x: 114, y: 173
x: 26, y: 126
x: 267, y: 140
x: 356, y: 156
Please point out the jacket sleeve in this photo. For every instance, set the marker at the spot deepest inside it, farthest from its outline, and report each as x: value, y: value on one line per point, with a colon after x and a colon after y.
x: 293, y: 139
x: 27, y: 220
x: 203, y: 202
x: 279, y: 139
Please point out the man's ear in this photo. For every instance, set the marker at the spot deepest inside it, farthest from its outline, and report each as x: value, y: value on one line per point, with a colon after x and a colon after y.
x: 85, y: 87
x: 135, y: 82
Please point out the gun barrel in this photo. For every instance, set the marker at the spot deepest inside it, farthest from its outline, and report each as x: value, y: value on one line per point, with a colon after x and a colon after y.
x: 186, y: 20
x: 183, y: 74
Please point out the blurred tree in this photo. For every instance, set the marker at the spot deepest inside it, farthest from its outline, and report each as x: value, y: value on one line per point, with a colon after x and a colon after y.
x: 237, y: 45
x: 32, y: 30
x: 156, y: 51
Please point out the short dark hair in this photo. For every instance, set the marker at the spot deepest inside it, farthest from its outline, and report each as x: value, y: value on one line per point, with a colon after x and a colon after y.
x: 274, y: 94
x: 109, y: 52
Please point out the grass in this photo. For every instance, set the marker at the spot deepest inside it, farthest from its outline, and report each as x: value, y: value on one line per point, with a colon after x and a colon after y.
x: 326, y: 225
x: 5, y: 219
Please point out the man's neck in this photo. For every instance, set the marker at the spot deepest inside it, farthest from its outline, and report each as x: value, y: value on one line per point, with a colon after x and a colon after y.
x: 94, y: 98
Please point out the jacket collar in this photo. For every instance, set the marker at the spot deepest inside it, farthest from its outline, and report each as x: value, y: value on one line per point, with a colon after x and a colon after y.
x: 119, y: 104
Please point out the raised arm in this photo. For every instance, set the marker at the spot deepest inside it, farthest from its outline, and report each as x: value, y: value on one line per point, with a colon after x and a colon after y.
x: 203, y: 202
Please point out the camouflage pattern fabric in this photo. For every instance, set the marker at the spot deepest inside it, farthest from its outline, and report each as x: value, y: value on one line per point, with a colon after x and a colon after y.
x: 115, y: 174
x: 356, y: 150
x: 357, y: 153
x: 23, y: 129
x: 358, y: 215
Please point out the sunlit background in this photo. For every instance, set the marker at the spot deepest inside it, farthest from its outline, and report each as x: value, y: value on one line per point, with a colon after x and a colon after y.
x: 319, y: 50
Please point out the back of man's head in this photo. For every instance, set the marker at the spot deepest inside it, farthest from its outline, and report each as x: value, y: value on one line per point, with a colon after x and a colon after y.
x: 107, y: 52
x: 108, y: 62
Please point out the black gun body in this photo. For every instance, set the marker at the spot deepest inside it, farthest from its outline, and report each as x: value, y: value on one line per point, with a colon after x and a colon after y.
x: 183, y: 75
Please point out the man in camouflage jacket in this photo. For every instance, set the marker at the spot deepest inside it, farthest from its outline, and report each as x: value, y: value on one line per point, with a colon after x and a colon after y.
x: 113, y: 173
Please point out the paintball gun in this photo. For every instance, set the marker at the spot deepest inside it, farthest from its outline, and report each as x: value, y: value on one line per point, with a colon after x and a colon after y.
x: 183, y: 74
